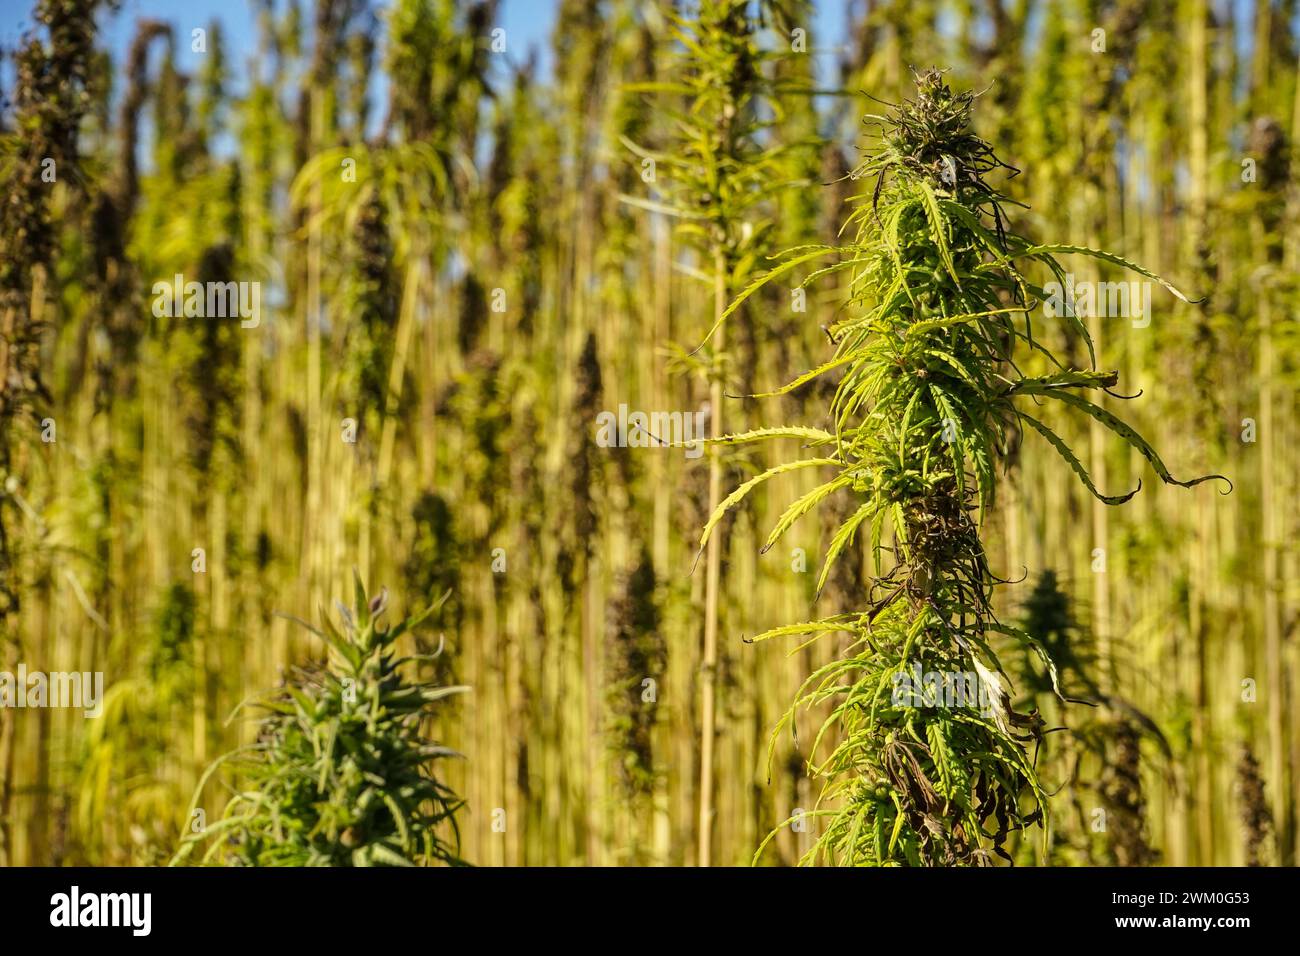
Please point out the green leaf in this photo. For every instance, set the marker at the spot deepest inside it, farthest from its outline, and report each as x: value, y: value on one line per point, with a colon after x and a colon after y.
x: 1126, y: 432
x: 947, y: 408
x: 814, y: 436
x: 761, y: 281
x: 383, y: 854
x: 1066, y: 379
x: 802, y: 506
x: 1039, y: 252
x: 843, y: 537
x: 840, y: 622
x: 810, y: 375
x: 651, y: 206
x: 930, y: 325
x: 938, y: 229
x: 362, y: 603
x: 953, y: 362
x: 431, y: 694
x: 1065, y: 452
x: 739, y: 494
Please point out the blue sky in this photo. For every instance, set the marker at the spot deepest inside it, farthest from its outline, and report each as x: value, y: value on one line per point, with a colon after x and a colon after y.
x: 527, y: 23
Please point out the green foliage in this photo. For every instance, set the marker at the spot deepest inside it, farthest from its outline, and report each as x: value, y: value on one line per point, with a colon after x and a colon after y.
x: 476, y: 170
x: 341, y: 774
x: 724, y: 165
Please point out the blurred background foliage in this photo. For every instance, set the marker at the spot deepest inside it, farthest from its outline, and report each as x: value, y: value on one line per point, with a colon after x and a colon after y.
x: 500, y: 269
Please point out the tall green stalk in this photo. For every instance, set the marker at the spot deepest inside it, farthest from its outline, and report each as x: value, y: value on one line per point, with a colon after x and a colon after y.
x: 720, y: 172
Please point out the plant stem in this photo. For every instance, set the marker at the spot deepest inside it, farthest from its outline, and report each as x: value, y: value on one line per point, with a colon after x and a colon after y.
x: 713, y: 571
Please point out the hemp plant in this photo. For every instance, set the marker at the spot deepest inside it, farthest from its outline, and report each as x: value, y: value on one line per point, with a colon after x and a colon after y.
x: 340, y: 774
x: 924, y: 412
x: 723, y: 169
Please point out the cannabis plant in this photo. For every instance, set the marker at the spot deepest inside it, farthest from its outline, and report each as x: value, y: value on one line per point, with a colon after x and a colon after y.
x: 940, y: 300
x: 724, y: 167
x: 340, y: 774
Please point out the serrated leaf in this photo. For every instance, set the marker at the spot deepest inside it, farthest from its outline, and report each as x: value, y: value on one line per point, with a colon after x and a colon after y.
x: 938, y: 229
x: 802, y: 506
x: 1065, y: 452
x: 1126, y: 431
x: 814, y: 436
x: 1053, y: 250
x: 842, y: 538
x: 739, y: 494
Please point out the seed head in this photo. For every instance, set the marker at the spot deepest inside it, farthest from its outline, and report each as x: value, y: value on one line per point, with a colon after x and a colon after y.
x: 930, y: 138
